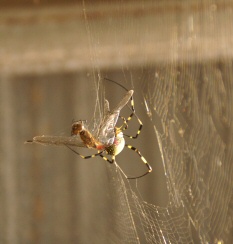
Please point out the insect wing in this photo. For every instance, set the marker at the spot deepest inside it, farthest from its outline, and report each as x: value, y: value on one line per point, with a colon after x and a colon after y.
x: 106, y: 132
x: 58, y: 141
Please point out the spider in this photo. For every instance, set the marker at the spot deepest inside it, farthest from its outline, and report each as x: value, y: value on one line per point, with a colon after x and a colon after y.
x: 109, y: 139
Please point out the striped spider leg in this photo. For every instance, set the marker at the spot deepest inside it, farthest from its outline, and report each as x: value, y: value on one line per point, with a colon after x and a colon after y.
x: 113, y: 150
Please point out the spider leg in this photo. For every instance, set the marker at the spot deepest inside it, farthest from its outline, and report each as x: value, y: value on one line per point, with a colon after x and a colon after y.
x: 129, y: 118
x: 139, y: 129
x: 125, y: 124
x: 125, y: 127
x: 85, y: 157
x: 131, y: 115
x: 143, y: 160
x: 112, y: 161
x: 106, y: 159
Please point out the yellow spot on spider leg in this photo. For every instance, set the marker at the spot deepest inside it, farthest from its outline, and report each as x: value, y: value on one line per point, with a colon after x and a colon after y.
x: 144, y: 160
x: 131, y: 137
x: 132, y: 103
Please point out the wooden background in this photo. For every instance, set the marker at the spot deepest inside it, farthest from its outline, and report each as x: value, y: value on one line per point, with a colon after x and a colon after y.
x: 49, y: 61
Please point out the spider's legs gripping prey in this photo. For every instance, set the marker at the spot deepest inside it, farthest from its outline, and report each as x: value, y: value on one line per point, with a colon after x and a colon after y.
x: 106, y: 159
x: 125, y: 124
x: 86, y: 157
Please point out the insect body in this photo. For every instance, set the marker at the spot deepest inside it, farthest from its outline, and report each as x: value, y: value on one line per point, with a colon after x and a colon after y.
x: 78, y: 128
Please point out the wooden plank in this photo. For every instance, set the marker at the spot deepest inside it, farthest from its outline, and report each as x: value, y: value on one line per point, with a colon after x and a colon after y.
x: 66, y: 38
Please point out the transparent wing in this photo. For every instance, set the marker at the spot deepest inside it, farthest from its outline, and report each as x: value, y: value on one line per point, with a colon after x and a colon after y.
x: 58, y: 141
x: 105, y: 132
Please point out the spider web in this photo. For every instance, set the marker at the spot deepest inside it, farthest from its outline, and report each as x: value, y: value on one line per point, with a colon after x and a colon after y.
x: 195, y: 145
x: 190, y: 106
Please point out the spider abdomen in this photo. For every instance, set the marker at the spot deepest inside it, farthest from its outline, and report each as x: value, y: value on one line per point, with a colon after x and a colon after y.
x: 117, y: 146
